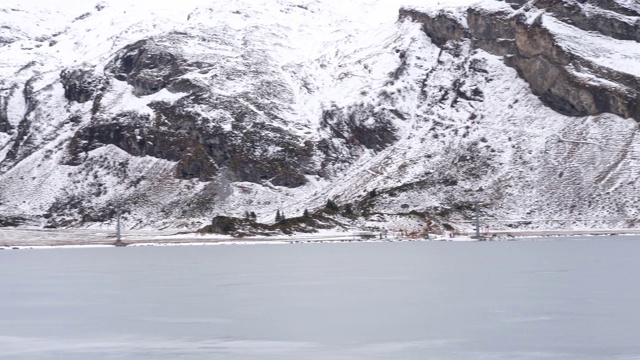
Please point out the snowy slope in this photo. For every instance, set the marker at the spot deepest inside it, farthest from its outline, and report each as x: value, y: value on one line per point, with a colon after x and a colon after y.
x: 246, y: 105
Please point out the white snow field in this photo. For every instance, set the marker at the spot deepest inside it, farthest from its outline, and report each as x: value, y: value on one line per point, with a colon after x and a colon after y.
x: 571, y: 299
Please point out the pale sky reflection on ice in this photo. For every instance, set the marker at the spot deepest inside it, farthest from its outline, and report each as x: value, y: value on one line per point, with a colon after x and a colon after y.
x: 223, y: 348
x: 524, y: 300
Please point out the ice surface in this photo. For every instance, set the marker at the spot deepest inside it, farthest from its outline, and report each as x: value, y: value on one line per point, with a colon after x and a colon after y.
x: 570, y: 299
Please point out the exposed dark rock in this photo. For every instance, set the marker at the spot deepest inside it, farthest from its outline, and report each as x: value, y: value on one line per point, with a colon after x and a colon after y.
x: 200, y: 146
x: 554, y: 73
x: 441, y: 28
x: 5, y: 93
x: 546, y: 66
x: 305, y: 224
x: 73, y: 210
x: 493, y: 32
x: 196, y: 164
x: 353, y: 129
x: 231, y: 135
x: 20, y: 148
x: 79, y: 84
x: 6, y: 40
x: 225, y: 225
x: 239, y: 227
x: 141, y: 141
x: 82, y: 17
x: 146, y: 66
x: 615, y: 6
x: 361, y: 125
x: 575, y: 13
x: 184, y: 86
x: 12, y: 221
x: 474, y: 94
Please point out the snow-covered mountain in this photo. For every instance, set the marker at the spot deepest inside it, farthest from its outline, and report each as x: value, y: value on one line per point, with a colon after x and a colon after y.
x: 181, y: 112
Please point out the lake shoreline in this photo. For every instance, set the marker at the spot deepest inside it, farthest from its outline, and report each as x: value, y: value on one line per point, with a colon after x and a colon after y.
x: 16, y: 239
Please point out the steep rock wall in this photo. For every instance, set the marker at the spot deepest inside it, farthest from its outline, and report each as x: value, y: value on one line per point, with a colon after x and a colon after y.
x: 563, y: 79
x: 589, y: 17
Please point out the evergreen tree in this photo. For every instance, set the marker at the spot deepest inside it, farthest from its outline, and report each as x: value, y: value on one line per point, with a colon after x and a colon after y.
x: 305, y: 213
x: 332, y: 206
x: 253, y: 216
x: 278, y: 216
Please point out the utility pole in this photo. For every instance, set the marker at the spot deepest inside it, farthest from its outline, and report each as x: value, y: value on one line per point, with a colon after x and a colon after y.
x: 118, y: 225
x: 118, y: 238
x: 477, y: 221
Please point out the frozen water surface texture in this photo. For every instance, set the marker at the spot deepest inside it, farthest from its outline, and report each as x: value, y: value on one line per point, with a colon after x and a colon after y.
x: 562, y: 299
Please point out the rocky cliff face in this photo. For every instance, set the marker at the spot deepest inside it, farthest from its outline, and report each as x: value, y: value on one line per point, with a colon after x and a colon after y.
x: 201, y: 131
x: 538, y: 38
x: 80, y: 85
x: 528, y: 107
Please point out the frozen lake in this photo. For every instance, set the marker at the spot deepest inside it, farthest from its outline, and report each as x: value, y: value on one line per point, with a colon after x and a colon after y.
x: 560, y: 299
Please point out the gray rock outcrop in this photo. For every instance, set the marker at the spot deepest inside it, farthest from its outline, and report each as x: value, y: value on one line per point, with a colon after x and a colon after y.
x: 565, y: 80
x: 199, y: 148
x: 598, y: 16
x: 147, y: 66
x: 5, y: 93
x: 80, y: 84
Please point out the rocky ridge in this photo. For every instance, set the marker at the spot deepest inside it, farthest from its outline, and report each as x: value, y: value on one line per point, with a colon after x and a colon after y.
x: 532, y: 38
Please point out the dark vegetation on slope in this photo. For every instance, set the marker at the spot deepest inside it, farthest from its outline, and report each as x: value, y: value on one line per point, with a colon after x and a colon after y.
x: 239, y: 227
